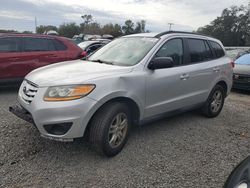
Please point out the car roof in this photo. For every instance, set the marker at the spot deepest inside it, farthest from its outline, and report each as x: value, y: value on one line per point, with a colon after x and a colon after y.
x: 168, y: 33
x: 28, y: 35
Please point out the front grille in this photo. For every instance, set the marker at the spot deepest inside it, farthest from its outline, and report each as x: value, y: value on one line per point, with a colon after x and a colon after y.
x: 240, y: 77
x: 28, y: 91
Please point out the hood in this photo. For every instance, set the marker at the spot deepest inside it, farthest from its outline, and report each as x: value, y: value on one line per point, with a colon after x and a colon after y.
x: 242, y: 69
x: 73, y: 72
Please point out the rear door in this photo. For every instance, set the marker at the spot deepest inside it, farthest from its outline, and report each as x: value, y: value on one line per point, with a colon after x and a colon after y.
x: 10, y: 57
x: 38, y: 52
x: 200, y: 70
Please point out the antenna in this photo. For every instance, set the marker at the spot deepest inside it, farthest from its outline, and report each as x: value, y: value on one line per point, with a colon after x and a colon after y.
x: 35, y: 25
x: 170, y: 26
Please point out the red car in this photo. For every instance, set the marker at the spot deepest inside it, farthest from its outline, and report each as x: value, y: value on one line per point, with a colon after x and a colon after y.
x: 22, y: 53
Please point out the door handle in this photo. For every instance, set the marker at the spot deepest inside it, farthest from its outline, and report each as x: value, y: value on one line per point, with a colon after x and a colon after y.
x: 184, y: 76
x: 216, y: 69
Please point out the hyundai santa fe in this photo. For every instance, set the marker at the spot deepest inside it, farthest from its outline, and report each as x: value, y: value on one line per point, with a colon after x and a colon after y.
x: 129, y: 81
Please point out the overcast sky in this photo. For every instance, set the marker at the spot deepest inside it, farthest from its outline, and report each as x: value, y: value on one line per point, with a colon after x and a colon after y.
x: 186, y: 14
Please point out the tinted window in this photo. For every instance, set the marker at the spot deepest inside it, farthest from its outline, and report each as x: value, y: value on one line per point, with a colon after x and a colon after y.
x: 208, y: 54
x: 173, y: 49
x: 199, y: 50
x: 59, y: 45
x: 9, y: 44
x: 218, y: 50
x: 37, y: 44
x: 93, y: 48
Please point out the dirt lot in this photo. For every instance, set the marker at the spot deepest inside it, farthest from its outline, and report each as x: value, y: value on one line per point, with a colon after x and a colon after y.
x: 187, y: 150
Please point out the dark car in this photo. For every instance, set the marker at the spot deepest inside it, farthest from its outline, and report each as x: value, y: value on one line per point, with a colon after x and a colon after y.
x: 91, y: 46
x: 22, y: 53
x: 241, y: 79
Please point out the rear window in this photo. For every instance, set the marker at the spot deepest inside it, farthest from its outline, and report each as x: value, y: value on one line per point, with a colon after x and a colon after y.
x: 199, y: 50
x: 37, y: 44
x: 9, y: 44
x: 218, y: 50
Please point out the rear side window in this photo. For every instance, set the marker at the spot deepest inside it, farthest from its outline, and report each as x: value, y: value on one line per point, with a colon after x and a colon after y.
x: 59, y: 46
x: 9, y: 44
x: 199, y: 50
x: 37, y: 44
x: 218, y: 50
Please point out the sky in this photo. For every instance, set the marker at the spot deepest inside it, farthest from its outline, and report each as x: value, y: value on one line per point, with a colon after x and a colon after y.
x: 186, y: 15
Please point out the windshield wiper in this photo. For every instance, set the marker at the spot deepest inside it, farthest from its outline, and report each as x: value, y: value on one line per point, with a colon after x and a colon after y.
x: 101, y: 61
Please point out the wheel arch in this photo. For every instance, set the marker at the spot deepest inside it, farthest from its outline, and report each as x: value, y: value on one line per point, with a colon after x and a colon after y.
x: 132, y: 104
x: 223, y: 84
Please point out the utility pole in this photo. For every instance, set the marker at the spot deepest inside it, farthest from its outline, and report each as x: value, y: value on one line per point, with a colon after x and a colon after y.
x: 35, y: 25
x: 170, y: 26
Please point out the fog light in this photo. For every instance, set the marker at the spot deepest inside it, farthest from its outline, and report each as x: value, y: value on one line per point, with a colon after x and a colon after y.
x: 58, y: 129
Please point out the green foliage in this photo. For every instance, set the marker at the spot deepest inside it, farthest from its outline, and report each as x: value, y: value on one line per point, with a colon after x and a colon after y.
x: 112, y: 29
x: 13, y: 31
x: 232, y: 27
x: 7, y: 31
x: 89, y: 26
x: 69, y: 29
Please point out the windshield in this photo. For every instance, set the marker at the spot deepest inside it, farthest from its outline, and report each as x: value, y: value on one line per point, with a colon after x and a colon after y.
x: 124, y: 51
x: 243, y: 60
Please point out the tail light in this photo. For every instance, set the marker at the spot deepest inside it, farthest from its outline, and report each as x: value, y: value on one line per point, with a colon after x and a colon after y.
x: 232, y: 64
x: 83, y: 54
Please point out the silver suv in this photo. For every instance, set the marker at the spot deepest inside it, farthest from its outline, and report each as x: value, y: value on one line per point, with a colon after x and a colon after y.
x: 131, y: 80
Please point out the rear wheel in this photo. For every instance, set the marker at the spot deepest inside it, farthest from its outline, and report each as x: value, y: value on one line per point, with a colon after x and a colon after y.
x: 215, y: 102
x: 110, y: 128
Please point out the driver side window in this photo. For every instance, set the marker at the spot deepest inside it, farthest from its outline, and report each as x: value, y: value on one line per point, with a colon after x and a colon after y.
x: 174, y: 49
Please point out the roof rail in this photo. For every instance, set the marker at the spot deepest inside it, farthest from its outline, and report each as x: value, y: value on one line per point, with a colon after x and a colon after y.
x: 183, y: 32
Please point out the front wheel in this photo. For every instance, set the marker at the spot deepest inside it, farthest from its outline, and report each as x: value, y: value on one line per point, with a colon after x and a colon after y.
x: 110, y: 128
x: 215, y: 102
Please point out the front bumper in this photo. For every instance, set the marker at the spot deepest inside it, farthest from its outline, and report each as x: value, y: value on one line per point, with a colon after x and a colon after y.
x: 21, y: 113
x: 75, y: 114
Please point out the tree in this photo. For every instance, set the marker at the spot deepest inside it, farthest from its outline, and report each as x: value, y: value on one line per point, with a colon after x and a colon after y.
x: 27, y: 32
x: 112, y: 29
x: 232, y: 27
x: 128, y: 28
x: 69, y: 29
x: 87, y: 18
x: 140, y: 27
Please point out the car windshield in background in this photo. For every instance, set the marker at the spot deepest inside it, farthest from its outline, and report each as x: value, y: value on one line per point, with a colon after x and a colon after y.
x: 243, y: 60
x: 85, y: 44
x: 235, y: 52
x: 126, y: 51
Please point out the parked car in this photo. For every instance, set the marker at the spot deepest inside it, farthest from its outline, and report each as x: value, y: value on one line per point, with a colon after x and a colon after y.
x: 129, y: 81
x: 91, y: 46
x: 22, y: 53
x: 241, y: 78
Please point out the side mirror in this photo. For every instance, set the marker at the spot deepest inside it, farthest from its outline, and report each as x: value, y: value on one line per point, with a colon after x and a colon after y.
x: 161, y: 63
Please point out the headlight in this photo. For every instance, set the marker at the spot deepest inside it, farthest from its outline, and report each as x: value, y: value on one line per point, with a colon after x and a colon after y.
x: 66, y: 93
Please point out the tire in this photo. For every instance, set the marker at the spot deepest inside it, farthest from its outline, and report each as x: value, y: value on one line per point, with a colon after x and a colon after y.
x: 109, y: 128
x: 214, y: 103
x: 240, y: 175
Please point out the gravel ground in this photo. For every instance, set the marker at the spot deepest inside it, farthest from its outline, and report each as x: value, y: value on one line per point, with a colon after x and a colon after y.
x: 187, y: 150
